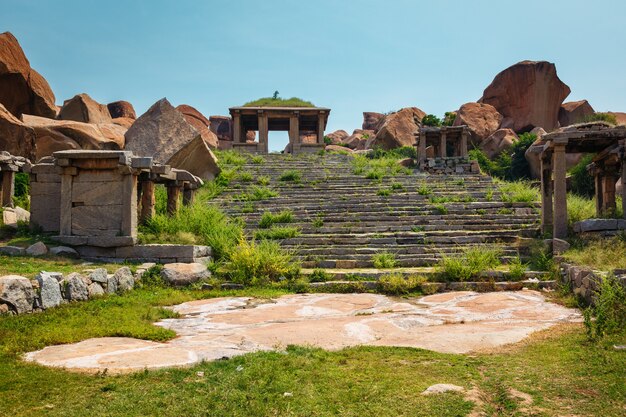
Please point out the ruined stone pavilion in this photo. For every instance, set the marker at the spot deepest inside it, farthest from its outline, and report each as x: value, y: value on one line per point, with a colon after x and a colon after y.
x: 298, y: 121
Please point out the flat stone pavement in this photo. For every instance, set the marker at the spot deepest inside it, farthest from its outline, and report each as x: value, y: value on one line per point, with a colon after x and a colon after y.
x: 455, y: 322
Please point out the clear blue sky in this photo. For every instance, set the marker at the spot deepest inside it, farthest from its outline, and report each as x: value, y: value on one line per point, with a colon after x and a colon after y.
x: 351, y: 56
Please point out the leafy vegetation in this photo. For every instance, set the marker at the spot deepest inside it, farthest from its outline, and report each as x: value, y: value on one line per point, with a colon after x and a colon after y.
x: 581, y: 181
x: 509, y: 165
x: 384, y: 260
x: 397, y: 284
x: 252, y: 263
x: 256, y: 193
x: 468, y: 264
x: 277, y: 233
x: 291, y: 175
x: 431, y: 120
x: 279, y: 102
x: 518, y: 192
x: 601, y: 117
x: 380, y: 163
x: 602, y: 254
x: 268, y: 219
x: 608, y: 314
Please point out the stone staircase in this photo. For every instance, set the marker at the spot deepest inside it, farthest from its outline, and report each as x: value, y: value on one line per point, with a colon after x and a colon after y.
x: 345, y: 219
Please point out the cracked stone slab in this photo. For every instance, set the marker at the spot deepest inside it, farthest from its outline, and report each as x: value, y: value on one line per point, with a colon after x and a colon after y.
x: 456, y: 322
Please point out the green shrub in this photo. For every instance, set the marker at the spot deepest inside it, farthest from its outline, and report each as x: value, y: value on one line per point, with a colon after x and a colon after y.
x: 600, y: 117
x: 396, y: 186
x: 252, y: 263
x: 582, y: 182
x: 541, y: 257
x: 468, y: 264
x: 510, y: 165
x: 292, y: 175
x: 440, y: 209
x: 449, y: 118
x: 604, y: 254
x: 205, y: 224
x: 327, y: 141
x: 256, y: 193
x: 383, y: 192
x: 517, y: 268
x: 277, y: 233
x: 384, y: 260
x: 518, y: 192
x: 245, y: 177
x: 263, y: 180
x: 424, y: 190
x: 609, y: 310
x: 318, y: 221
x: 229, y: 157
x: 431, y: 120
x: 579, y: 208
x: 319, y: 275
x: 396, y: 284
x: 257, y: 159
x: 268, y: 219
x: 279, y: 102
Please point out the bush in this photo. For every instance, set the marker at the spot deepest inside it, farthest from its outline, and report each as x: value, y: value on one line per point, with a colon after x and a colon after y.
x: 511, y: 165
x: 383, y: 192
x: 604, y: 254
x: 384, y: 260
x: 601, y: 117
x: 468, y: 264
x: 319, y: 275
x: 579, y: 208
x: 396, y: 284
x: 517, y: 268
x: 268, y: 219
x: 431, y: 120
x: 518, y: 192
x: 277, y: 233
x: 292, y: 175
x: 582, y: 182
x: 609, y: 310
x: 225, y: 158
x: 449, y: 118
x: 257, y: 159
x: 260, y: 263
x: 205, y: 224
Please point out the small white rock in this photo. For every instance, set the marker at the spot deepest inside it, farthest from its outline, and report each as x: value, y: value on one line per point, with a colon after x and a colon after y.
x: 288, y: 394
x: 441, y: 388
x: 239, y: 368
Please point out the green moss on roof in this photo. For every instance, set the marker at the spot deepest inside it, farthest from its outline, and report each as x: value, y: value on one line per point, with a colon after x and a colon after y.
x: 279, y: 102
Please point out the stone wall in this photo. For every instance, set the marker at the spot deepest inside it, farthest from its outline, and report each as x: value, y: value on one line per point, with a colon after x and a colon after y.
x: 584, y: 281
x: 451, y: 165
x: 45, y: 193
x: 600, y: 227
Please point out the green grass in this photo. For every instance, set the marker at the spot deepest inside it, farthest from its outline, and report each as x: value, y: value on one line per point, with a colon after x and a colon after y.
x: 383, y: 192
x: 291, y: 175
x: 257, y: 159
x: 256, y: 193
x: 384, y: 260
x: 468, y: 264
x: 279, y: 102
x: 379, y: 166
x: 268, y: 219
x: 253, y: 263
x: 277, y: 233
x: 357, y: 381
x: 518, y: 192
x: 601, y: 254
x: 440, y: 209
x: 582, y: 208
x: 397, y: 284
x: 29, y: 267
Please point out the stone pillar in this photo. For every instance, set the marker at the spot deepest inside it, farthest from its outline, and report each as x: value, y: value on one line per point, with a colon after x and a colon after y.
x: 321, y: 119
x: 464, y: 152
x: 421, y: 151
x: 8, y: 188
x: 608, y: 190
x: 147, y: 200
x: 128, y: 225
x: 624, y: 186
x: 188, y: 195
x: 598, y: 183
x: 560, y: 192
x: 263, y: 133
x: 443, y: 145
x: 546, y: 192
x: 173, y: 197
x: 67, y: 179
x: 237, y: 128
x: 294, y: 129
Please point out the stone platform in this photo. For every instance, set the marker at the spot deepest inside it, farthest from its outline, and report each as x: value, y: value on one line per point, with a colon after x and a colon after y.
x: 456, y: 322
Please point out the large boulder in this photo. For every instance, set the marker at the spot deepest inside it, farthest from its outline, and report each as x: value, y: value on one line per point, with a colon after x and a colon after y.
x: 528, y: 94
x: 58, y: 135
x: 17, y: 292
x: 501, y: 140
x: 200, y: 123
x: 222, y: 126
x: 121, y: 109
x: 337, y: 137
x: 482, y: 120
x: 22, y: 89
x: 372, y: 120
x: 15, y: 137
x: 575, y: 112
x: 358, y: 139
x: 163, y: 133
x: 180, y: 274
x: 399, y: 129
x: 619, y: 117
x: 82, y: 108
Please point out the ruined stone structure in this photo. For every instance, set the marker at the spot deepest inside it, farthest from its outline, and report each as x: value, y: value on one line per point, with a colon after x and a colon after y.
x: 294, y: 120
x: 601, y: 138
x: 9, y: 166
x: 444, y: 150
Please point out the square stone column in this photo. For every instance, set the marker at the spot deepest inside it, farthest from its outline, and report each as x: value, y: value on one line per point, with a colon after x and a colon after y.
x: 443, y: 144
x: 321, y: 122
x: 421, y: 148
x: 599, y: 193
x: 147, y: 200
x: 608, y: 190
x: 294, y: 128
x: 560, y: 192
x: 8, y: 188
x: 546, y: 192
x: 263, y: 133
x: 237, y: 129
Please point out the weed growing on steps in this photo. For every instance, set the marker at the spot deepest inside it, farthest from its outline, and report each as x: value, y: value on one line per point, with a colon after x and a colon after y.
x: 319, y: 275
x: 518, y: 192
x: 440, y: 209
x: 424, y: 190
x: 268, y: 219
x: 397, y: 284
x: 451, y: 199
x: 256, y: 193
x: 517, y: 268
x: 263, y: 180
x: 396, y: 186
x: 245, y: 176
x: 318, y: 221
x: 384, y: 260
x: 230, y: 158
x: 609, y: 310
x: 257, y: 159
x: 252, y: 263
x: 468, y: 264
x: 381, y: 164
x: 277, y: 233
x: 383, y: 192
x: 291, y: 175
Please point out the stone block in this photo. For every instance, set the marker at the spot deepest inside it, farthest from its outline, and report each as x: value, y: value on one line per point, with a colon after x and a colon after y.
x: 37, y: 249
x: 17, y: 292
x: 49, y: 289
x: 179, y: 274
x: 124, y: 279
x: 592, y: 225
x: 99, y: 275
x: 64, y: 251
x: 95, y: 290
x: 90, y: 219
x: 75, y: 288
x: 12, y: 251
x: 99, y: 194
